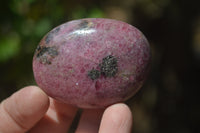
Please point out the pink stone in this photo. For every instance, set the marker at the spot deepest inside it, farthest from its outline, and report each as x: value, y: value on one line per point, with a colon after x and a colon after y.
x: 92, y: 63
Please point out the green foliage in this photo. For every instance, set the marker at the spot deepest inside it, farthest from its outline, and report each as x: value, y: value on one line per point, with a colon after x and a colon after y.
x: 42, y: 27
x: 82, y: 12
x: 96, y: 13
x: 9, y: 47
x: 20, y: 7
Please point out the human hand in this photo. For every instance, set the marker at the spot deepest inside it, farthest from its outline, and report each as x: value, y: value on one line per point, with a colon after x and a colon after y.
x: 31, y: 110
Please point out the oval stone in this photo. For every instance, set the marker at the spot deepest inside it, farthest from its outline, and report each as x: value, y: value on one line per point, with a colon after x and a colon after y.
x: 92, y: 63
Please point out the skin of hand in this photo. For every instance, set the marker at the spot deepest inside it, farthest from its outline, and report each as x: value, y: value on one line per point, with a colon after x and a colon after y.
x: 31, y: 110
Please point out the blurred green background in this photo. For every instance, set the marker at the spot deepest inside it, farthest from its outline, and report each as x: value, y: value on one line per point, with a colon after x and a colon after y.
x: 169, y: 100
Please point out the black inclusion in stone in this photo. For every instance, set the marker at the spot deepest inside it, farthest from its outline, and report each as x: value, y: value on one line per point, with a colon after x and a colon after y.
x: 51, y: 34
x: 52, y: 51
x: 46, y: 54
x: 83, y: 24
x: 94, y: 74
x: 109, y: 66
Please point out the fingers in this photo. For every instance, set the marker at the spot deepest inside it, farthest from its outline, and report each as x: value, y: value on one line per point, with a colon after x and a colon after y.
x: 90, y: 121
x: 23, y: 110
x: 116, y: 119
x: 57, y: 119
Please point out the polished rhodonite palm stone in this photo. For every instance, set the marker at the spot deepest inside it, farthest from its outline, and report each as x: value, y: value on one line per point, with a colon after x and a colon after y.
x: 92, y: 63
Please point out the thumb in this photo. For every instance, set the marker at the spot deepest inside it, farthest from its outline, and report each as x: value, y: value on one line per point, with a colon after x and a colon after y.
x: 23, y: 110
